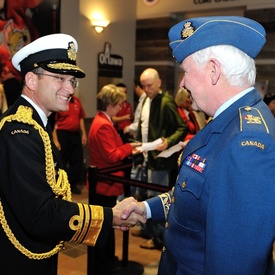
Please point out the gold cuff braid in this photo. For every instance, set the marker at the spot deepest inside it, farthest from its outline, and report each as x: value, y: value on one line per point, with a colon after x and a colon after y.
x: 166, y: 202
x: 88, y: 224
x: 60, y: 187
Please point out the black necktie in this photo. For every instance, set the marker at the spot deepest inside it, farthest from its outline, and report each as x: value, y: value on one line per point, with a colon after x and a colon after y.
x: 49, y: 129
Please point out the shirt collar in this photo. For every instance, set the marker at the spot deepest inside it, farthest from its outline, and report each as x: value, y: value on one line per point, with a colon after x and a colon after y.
x: 107, y: 116
x: 142, y: 97
x: 38, y: 110
x: 231, y: 101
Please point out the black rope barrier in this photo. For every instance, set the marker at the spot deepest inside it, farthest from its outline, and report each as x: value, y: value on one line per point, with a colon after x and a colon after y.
x: 102, y: 174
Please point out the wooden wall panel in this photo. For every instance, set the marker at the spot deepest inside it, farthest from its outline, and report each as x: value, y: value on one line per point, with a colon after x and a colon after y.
x: 152, y: 48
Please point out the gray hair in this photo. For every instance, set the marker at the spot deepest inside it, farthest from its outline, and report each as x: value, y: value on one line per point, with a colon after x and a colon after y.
x: 238, y: 68
x: 110, y: 94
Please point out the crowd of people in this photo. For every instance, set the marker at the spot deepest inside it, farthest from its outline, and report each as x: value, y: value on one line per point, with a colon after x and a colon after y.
x: 218, y: 217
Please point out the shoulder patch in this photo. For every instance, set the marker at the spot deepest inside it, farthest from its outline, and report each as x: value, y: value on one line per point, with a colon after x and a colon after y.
x: 251, y: 119
x: 253, y: 143
x: 20, y: 131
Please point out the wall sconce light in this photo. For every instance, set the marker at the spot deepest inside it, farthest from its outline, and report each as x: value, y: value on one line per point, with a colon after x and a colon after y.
x: 99, y: 25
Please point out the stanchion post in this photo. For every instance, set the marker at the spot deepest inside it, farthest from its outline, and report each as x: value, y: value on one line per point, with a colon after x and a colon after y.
x: 128, y: 267
x: 91, y: 251
x: 125, y: 243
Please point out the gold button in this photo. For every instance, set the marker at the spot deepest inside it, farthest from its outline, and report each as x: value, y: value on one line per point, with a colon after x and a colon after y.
x: 248, y: 109
x: 164, y: 249
x: 173, y: 199
x: 183, y: 185
x: 166, y: 225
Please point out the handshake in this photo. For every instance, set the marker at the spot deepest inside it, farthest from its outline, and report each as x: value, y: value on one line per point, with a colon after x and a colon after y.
x: 128, y: 213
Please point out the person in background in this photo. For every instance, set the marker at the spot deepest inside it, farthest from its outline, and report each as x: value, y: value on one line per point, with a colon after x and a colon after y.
x: 136, y: 172
x: 37, y: 214
x: 17, y: 30
x: 159, y: 119
x: 132, y: 128
x: 3, y: 100
x: 107, y: 149
x: 220, y: 216
x: 125, y: 115
x: 201, y: 118
x: 269, y: 100
x: 69, y: 136
x: 184, y: 102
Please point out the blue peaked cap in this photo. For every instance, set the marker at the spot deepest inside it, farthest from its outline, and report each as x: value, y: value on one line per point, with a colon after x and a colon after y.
x: 195, y: 34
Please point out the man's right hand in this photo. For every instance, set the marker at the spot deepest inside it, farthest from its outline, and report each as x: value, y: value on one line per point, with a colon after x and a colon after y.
x: 128, y: 213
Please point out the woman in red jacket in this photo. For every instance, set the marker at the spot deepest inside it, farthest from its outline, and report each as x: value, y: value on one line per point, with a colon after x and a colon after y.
x: 107, y: 149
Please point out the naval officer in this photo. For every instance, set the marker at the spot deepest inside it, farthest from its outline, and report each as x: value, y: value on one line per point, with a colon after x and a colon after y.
x: 36, y: 212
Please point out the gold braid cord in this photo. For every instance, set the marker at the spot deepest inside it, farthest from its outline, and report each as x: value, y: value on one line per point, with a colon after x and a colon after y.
x: 60, y: 187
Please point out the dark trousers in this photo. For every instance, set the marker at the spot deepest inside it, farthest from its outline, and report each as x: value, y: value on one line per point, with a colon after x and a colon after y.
x: 72, y: 155
x: 155, y: 231
x: 103, y: 256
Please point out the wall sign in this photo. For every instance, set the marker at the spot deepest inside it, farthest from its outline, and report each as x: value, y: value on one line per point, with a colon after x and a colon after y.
x: 109, y: 64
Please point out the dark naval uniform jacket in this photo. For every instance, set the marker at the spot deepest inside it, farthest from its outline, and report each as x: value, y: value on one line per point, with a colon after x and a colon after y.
x: 31, y: 213
x: 220, y: 215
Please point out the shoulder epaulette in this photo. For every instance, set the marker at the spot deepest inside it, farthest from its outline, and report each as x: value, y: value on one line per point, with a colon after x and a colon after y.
x: 251, y: 119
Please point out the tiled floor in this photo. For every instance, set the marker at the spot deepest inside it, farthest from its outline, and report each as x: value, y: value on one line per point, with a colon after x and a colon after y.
x: 73, y: 260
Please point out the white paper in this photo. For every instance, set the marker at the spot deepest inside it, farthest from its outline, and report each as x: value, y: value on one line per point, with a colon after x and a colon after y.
x: 176, y: 148
x: 149, y: 146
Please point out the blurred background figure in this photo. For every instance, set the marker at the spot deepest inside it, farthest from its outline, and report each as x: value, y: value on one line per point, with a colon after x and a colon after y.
x: 20, y: 23
x: 106, y: 149
x: 184, y: 103
x: 159, y: 119
x: 69, y: 136
x: 125, y: 115
x: 201, y: 118
x: 269, y: 100
x: 3, y: 100
x: 132, y: 128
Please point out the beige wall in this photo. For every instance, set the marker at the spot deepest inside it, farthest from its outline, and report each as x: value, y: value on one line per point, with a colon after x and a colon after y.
x: 120, y: 33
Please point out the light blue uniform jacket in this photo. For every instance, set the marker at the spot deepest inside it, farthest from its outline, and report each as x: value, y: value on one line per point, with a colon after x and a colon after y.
x: 220, y: 215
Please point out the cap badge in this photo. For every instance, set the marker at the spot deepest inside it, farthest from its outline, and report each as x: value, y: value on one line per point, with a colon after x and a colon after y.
x: 188, y: 30
x: 71, y: 51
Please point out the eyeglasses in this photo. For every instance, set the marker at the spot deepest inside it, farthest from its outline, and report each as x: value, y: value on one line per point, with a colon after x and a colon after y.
x: 62, y: 80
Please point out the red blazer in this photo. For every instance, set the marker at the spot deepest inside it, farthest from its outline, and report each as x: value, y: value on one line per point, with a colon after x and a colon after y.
x: 107, y: 149
x: 192, y: 125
